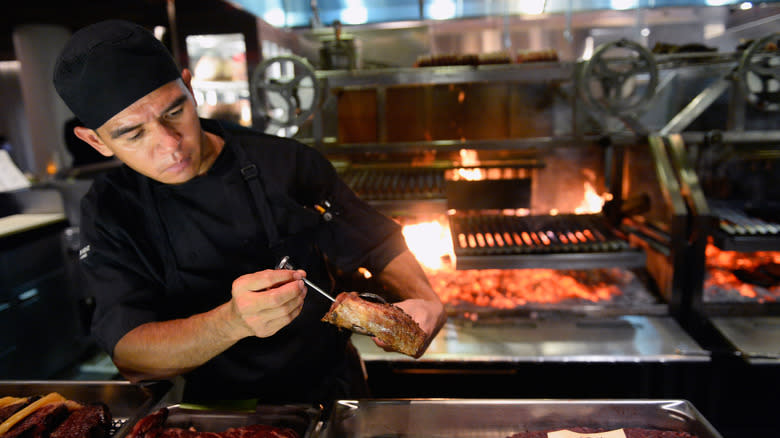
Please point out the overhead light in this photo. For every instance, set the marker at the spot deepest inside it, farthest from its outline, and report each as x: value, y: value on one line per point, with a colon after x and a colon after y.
x: 354, y: 13
x: 745, y: 6
x: 530, y: 7
x: 622, y: 4
x: 441, y: 9
x: 275, y: 17
x: 717, y: 2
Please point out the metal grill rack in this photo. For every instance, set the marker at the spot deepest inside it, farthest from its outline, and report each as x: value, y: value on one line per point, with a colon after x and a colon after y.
x: 373, y: 184
x: 739, y: 231
x: 558, y: 242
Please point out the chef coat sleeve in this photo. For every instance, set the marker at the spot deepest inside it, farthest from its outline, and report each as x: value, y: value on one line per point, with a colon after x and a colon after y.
x: 357, y: 235
x: 118, y: 271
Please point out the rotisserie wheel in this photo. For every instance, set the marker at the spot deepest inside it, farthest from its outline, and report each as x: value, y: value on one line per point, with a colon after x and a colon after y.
x: 388, y: 323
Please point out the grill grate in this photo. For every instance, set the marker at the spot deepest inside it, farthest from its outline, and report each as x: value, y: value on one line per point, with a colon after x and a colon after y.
x: 739, y: 231
x: 737, y: 223
x: 499, y: 234
x: 396, y: 184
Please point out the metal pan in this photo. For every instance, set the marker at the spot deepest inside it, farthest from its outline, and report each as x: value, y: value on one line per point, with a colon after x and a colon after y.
x: 303, y: 419
x: 477, y: 418
x: 127, y: 402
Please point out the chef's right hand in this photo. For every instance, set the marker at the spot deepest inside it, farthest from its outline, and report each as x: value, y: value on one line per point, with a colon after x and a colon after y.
x: 265, y: 301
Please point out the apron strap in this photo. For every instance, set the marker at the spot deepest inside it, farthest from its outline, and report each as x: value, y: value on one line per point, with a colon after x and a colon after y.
x: 249, y: 173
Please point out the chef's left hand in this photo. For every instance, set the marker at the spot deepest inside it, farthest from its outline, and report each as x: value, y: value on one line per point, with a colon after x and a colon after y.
x: 429, y: 315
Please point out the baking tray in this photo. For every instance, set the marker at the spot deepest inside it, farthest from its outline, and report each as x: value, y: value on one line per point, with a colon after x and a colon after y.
x: 126, y: 401
x: 303, y: 419
x: 478, y: 418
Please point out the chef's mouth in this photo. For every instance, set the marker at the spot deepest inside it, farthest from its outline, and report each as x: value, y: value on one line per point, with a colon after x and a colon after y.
x: 179, y: 166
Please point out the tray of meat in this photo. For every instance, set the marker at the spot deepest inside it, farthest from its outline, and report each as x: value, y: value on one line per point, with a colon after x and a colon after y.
x: 192, y: 421
x: 522, y: 418
x: 73, y: 409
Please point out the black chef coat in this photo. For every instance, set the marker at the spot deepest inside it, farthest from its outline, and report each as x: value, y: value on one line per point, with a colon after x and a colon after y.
x: 155, y: 252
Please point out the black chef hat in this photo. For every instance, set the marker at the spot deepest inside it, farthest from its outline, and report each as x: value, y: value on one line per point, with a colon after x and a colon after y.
x: 107, y: 66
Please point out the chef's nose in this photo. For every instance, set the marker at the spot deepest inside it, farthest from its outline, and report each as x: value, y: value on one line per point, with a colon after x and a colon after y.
x: 170, y: 139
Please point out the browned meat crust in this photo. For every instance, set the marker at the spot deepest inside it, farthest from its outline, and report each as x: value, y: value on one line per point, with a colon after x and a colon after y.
x: 629, y: 431
x: 90, y: 421
x: 40, y: 423
x: 7, y: 411
x: 388, y: 323
x: 153, y: 426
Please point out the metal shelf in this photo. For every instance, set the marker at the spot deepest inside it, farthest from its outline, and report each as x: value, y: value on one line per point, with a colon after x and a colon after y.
x: 526, y: 72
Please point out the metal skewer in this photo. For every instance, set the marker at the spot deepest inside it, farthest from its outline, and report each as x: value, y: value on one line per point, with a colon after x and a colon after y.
x: 285, y: 264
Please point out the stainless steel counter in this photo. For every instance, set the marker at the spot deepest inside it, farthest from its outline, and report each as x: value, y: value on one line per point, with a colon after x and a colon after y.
x: 757, y: 339
x: 620, y: 339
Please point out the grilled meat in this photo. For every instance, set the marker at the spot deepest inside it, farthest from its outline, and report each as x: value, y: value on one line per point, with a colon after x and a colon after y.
x: 153, y: 426
x: 150, y: 425
x: 14, y: 407
x: 388, y: 323
x: 40, y: 423
x: 91, y: 421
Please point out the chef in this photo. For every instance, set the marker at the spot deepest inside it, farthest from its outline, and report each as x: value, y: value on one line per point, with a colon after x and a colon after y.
x: 180, y: 244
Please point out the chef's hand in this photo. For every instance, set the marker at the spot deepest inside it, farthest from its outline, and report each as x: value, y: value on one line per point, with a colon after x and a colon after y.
x: 429, y: 315
x: 263, y: 302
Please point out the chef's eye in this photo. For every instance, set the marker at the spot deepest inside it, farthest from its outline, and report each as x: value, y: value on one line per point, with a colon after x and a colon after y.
x: 135, y: 135
x: 175, y: 112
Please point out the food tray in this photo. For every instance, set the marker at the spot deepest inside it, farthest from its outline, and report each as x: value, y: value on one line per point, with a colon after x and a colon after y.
x: 303, y: 419
x: 477, y: 418
x: 127, y: 402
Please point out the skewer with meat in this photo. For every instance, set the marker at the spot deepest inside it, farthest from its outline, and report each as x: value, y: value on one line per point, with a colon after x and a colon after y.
x: 388, y: 323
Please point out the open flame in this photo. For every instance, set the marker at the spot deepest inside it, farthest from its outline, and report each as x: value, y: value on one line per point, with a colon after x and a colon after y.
x: 592, y: 202
x: 469, y: 157
x: 430, y: 242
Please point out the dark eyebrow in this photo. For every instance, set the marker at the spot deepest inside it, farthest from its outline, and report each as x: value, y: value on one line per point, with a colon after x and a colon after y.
x: 125, y: 129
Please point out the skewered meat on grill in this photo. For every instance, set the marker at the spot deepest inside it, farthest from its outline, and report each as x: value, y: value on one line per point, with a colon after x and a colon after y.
x: 153, y: 426
x: 388, y: 323
x: 629, y: 432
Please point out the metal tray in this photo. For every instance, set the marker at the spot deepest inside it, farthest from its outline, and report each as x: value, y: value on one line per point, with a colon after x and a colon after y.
x: 303, y: 419
x: 476, y: 418
x: 126, y: 401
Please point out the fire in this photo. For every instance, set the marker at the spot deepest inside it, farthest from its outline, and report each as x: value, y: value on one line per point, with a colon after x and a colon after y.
x: 592, y: 202
x: 430, y: 242
x: 470, y: 157
x: 721, y: 273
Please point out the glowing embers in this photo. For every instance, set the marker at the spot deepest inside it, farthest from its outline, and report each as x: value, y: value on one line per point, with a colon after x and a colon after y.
x: 502, y: 234
x: 741, y: 276
x: 514, y: 288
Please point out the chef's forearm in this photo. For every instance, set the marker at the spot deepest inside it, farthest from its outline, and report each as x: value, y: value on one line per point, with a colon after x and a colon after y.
x: 161, y: 350
x: 404, y: 277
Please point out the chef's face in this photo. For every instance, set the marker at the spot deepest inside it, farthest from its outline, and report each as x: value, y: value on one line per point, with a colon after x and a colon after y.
x: 158, y: 136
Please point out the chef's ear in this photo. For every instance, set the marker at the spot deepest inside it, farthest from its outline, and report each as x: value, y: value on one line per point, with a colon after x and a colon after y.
x: 90, y: 137
x: 186, y: 76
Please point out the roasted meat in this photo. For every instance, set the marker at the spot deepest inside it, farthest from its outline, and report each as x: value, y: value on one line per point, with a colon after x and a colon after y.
x: 388, y: 323
x: 40, y: 423
x: 153, y: 426
x: 90, y: 421
x: 14, y: 405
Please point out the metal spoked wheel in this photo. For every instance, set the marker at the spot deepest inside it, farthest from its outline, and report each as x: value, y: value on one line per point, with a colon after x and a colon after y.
x: 608, y: 80
x: 284, y: 91
x: 759, y: 73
